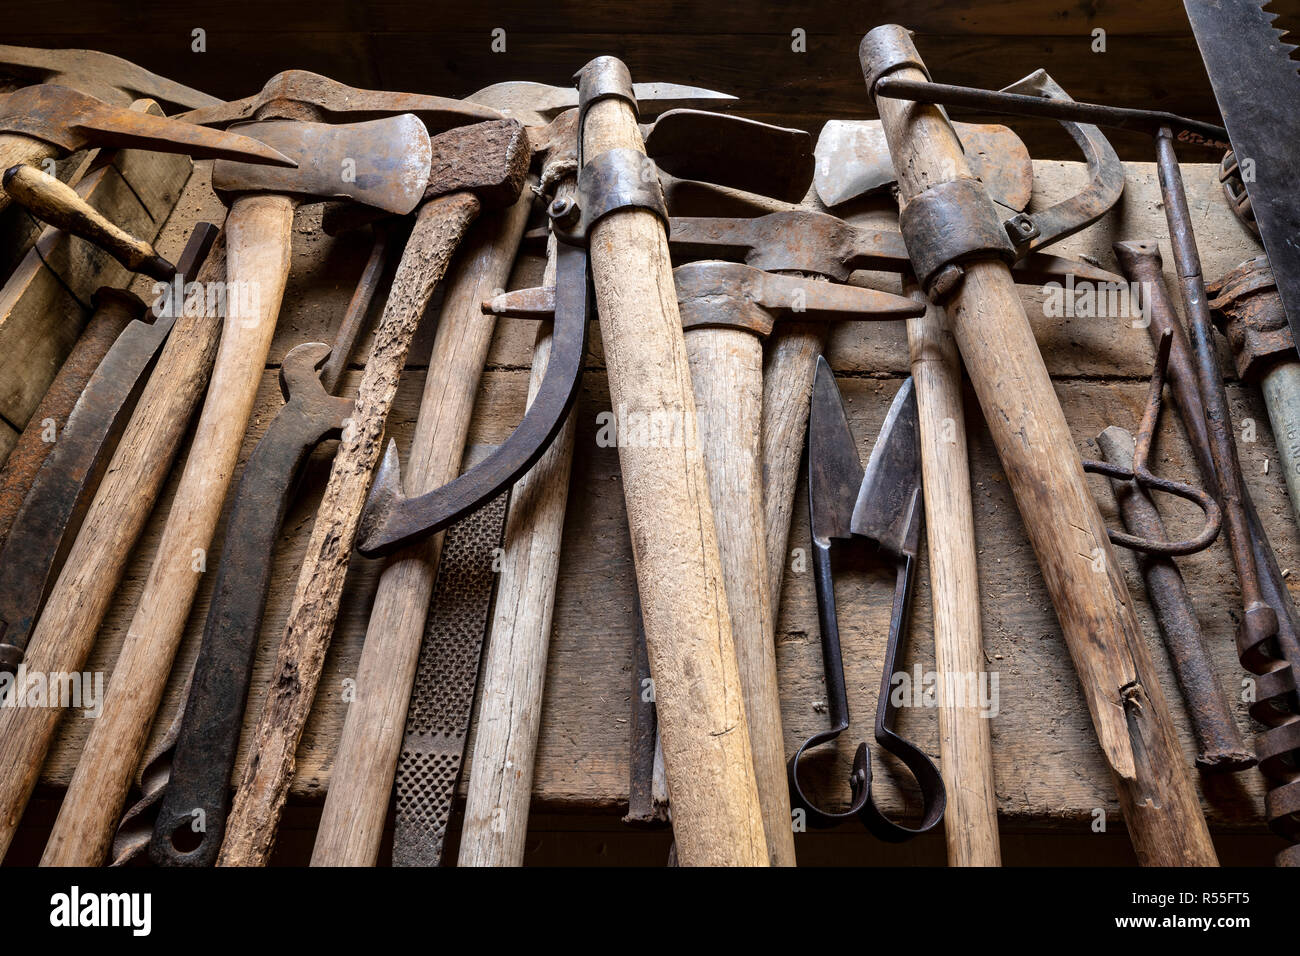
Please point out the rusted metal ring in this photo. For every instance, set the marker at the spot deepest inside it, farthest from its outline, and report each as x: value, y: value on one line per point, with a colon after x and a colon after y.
x: 1200, y: 498
x: 603, y: 77
x: 885, y: 49
x: 948, y: 224
x: 616, y: 179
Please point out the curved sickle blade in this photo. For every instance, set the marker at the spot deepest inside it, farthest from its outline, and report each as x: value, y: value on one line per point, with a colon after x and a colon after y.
x: 391, y: 521
x: 1105, y: 176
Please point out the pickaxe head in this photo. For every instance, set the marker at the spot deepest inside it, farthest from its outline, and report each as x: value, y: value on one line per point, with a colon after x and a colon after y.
x: 72, y: 121
x: 488, y: 159
x: 109, y: 78
x: 300, y: 95
x: 382, y: 163
x: 536, y: 104
x: 715, y: 294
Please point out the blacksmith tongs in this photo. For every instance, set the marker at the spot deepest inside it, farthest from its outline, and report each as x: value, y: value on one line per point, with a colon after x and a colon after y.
x: 883, y: 506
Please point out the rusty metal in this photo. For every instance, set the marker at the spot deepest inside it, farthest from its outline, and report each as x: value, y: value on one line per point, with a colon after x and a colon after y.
x: 948, y: 225
x: 881, y: 505
x: 1276, y: 706
x: 446, y: 677
x: 647, y: 803
x: 71, y: 121
x: 852, y: 160
x: 1025, y: 104
x: 818, y: 243
x: 536, y: 104
x: 1219, y: 745
x: 390, y: 159
x: 114, y: 309
x: 46, y: 524
x: 1142, y: 477
x: 298, y: 94
x: 1234, y: 190
x: 616, y: 179
x: 209, y: 733
x: 109, y: 78
x: 1248, y: 310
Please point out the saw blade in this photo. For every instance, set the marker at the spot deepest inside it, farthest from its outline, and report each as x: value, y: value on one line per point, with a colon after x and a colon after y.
x: 1257, y: 85
x: 437, y: 720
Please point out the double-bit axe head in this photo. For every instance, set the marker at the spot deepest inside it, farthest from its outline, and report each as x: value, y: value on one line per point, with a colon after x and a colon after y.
x: 300, y: 95
x: 112, y: 79
x: 71, y: 121
x: 382, y: 163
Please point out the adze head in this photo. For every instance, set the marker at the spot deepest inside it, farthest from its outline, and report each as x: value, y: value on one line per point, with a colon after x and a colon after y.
x: 116, y: 81
x: 70, y: 120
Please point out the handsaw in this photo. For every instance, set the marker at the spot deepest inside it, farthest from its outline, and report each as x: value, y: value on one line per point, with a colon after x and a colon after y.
x: 1257, y: 87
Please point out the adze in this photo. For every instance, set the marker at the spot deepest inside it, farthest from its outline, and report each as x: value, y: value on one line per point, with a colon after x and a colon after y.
x: 41, y: 122
x: 478, y: 166
x: 208, y: 737
x: 382, y: 162
x: 960, y: 252
x: 727, y: 309
x: 48, y: 519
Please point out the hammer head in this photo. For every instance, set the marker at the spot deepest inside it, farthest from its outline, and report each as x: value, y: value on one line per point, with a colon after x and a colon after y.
x: 112, y: 79
x: 383, y: 163
x: 298, y: 94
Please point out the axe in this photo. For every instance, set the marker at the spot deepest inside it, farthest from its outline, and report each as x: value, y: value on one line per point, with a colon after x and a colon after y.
x: 382, y: 162
x: 961, y: 253
x: 116, y: 81
x: 40, y: 122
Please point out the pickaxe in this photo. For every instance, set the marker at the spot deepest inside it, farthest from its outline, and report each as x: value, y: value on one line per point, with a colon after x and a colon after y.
x: 727, y: 309
x: 383, y: 162
x: 41, y: 122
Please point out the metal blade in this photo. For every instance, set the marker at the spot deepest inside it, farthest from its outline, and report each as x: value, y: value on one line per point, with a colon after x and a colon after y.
x: 535, y: 104
x: 834, y: 468
x: 887, y: 494
x: 102, y: 75
x: 1257, y: 87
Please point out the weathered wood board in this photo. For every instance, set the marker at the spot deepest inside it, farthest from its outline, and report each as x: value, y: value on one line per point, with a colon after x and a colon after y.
x: 1047, y: 765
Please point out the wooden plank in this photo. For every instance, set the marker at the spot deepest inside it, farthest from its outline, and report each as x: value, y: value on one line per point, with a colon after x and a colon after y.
x: 1046, y: 763
x: 45, y: 303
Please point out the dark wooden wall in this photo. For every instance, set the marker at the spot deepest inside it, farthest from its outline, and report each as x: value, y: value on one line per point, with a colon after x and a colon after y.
x: 739, y: 46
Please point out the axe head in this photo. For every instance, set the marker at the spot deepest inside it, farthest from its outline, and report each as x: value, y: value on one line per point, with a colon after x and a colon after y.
x: 298, y: 94
x: 536, y: 104
x: 112, y: 79
x: 382, y: 163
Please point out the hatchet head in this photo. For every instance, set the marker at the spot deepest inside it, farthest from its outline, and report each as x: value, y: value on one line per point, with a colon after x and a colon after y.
x: 112, y: 79
x: 300, y: 95
x: 382, y: 163
x: 71, y: 121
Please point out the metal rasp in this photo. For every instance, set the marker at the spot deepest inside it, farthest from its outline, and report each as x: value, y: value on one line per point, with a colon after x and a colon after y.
x: 446, y: 678
x: 1257, y: 87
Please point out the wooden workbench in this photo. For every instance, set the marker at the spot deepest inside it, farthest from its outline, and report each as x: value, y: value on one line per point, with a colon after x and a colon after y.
x: 1048, y: 768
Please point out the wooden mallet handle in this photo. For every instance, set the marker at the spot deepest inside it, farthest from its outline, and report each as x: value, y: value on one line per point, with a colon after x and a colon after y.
x: 59, y: 205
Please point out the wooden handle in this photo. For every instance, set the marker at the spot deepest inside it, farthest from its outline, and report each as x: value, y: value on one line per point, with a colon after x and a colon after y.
x: 727, y: 373
x: 1124, y: 697
x: 787, y: 393
x: 514, y: 672
x: 716, y: 815
x: 17, y: 149
x: 258, y: 232
x: 66, y: 631
x: 361, y: 785
x: 965, y: 741
x: 59, y: 205
x: 255, y: 814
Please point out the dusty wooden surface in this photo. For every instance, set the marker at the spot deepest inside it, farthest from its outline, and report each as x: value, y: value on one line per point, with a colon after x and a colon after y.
x: 1048, y: 769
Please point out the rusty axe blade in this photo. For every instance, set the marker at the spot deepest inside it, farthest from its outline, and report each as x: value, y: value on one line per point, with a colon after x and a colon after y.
x: 535, y: 104
x: 382, y: 163
x: 102, y: 75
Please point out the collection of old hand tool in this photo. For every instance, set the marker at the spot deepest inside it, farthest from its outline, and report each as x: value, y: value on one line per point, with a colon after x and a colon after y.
x: 703, y: 245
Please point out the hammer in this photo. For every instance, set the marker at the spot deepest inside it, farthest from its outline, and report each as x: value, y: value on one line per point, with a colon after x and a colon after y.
x: 474, y: 167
